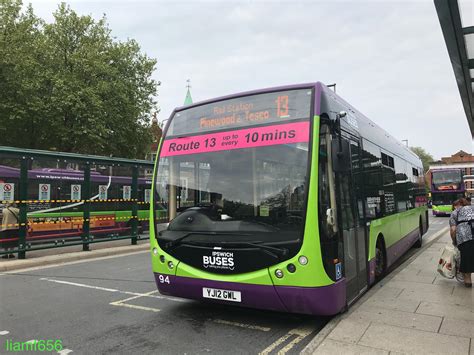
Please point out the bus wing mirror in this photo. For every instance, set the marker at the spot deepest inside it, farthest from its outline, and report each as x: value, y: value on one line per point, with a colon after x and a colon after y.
x: 341, y: 155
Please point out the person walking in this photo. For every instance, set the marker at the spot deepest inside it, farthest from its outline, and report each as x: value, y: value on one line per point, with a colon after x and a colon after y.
x: 461, y: 230
x: 9, y: 228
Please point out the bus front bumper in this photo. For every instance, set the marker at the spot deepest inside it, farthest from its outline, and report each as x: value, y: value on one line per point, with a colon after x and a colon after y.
x: 326, y: 300
x: 441, y: 213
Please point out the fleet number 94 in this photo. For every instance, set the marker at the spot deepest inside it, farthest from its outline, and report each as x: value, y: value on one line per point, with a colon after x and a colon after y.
x: 164, y: 279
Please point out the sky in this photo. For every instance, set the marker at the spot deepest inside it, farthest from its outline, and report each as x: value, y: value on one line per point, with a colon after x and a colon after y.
x: 387, y: 58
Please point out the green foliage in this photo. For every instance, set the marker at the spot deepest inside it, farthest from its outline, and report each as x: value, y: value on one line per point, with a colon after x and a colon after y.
x: 69, y: 86
x: 426, y: 158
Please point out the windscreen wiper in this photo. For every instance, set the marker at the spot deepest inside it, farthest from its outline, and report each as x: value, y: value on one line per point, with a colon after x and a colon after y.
x: 276, y: 252
x: 177, y: 241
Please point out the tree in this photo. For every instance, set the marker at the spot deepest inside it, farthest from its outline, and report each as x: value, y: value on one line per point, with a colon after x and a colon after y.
x: 426, y: 158
x: 71, y: 87
x: 20, y: 93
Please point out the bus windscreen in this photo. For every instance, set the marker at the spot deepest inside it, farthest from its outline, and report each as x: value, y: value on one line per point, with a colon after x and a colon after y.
x: 238, y: 164
x: 446, y: 180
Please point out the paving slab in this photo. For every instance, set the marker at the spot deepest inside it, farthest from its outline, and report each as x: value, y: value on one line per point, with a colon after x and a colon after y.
x: 438, y: 297
x: 397, y: 304
x: 453, y: 311
x: 458, y: 327
x: 387, y: 292
x: 461, y: 291
x: 349, y: 330
x: 441, y: 280
x: 329, y: 346
x: 438, y: 247
x: 400, y: 319
x: 426, y: 288
x: 412, y: 341
x: 412, y: 277
x: 429, y: 272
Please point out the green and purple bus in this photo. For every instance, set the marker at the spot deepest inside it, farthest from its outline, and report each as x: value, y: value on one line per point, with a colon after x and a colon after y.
x: 447, y: 186
x: 286, y: 199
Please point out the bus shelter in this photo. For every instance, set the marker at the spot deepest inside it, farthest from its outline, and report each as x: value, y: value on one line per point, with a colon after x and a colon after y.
x: 60, y: 199
x: 458, y: 32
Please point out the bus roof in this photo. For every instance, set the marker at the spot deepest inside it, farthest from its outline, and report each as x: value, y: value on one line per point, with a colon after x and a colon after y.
x: 367, y: 128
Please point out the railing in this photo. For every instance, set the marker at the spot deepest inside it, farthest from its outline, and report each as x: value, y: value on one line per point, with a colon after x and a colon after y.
x: 53, y: 199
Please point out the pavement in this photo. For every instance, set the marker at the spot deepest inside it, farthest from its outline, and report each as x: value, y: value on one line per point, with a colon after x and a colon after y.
x: 413, y: 310
x: 72, y: 253
x: 65, y: 253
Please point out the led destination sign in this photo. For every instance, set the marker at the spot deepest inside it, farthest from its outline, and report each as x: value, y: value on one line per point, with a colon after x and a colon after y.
x: 268, y: 108
x: 290, y: 133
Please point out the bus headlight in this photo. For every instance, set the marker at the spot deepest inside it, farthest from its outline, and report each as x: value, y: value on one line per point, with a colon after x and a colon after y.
x: 278, y: 273
x: 155, y: 251
x: 303, y: 260
x: 170, y: 264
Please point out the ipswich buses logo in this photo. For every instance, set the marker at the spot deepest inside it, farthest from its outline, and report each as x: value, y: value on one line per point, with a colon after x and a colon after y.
x: 219, y: 260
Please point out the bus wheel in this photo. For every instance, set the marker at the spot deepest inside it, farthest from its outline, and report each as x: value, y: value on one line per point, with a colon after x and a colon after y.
x: 380, y: 260
x: 419, y: 242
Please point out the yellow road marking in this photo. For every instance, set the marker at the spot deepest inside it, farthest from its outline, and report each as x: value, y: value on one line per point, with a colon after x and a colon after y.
x: 300, y: 332
x: 275, y: 344
x: 241, y: 325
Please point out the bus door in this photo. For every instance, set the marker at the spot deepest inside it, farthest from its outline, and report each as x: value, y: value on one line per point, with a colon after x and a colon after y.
x: 351, y: 219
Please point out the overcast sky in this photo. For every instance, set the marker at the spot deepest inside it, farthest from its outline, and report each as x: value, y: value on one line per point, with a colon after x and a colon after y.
x: 388, y: 58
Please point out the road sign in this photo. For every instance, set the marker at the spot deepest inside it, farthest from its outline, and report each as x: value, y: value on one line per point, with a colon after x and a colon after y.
x: 7, y: 191
x: 102, y: 192
x: 127, y: 192
x: 44, y: 192
x: 75, y: 192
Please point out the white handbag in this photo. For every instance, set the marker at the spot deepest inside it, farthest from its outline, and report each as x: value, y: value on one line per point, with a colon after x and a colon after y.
x: 447, y: 261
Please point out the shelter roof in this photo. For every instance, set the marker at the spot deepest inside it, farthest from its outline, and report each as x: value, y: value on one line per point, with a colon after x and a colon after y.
x: 459, y: 38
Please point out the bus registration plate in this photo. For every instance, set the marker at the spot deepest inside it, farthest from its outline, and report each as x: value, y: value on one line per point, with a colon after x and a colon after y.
x: 218, y: 294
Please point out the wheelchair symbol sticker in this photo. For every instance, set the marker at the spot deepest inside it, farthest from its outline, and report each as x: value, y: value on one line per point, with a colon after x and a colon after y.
x: 338, y: 271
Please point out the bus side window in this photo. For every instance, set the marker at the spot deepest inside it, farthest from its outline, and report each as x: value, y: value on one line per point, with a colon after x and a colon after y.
x: 388, y: 176
x: 372, y: 175
x: 401, y: 188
